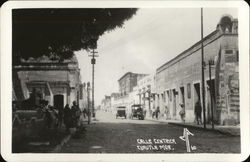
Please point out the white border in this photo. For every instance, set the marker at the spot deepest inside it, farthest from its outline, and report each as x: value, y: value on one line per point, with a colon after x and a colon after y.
x: 6, y: 80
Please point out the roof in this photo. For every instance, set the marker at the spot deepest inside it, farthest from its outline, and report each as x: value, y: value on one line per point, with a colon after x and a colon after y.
x: 215, y: 35
x: 189, y: 49
x: 130, y: 73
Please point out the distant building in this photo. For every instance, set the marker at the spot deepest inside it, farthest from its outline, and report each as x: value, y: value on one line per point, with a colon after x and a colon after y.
x: 179, y: 80
x: 145, y: 92
x: 128, y: 81
x: 106, y: 104
x: 114, y: 101
x: 126, y: 85
x: 57, y: 82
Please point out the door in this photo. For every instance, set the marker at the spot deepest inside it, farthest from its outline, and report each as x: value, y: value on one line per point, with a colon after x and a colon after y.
x: 58, y: 101
x: 211, y: 99
x: 182, y: 96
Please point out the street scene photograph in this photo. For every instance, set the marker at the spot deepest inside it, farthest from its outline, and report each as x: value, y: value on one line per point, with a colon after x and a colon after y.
x: 125, y: 80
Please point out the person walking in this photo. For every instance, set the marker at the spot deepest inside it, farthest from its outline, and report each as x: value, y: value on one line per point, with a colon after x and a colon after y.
x: 75, y: 113
x: 157, y: 111
x: 85, y: 113
x: 182, y: 112
x: 197, y: 111
x: 153, y: 113
x: 67, y: 116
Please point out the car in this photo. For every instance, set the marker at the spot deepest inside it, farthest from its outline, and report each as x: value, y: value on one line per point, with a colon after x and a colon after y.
x: 121, y: 112
x: 137, y: 112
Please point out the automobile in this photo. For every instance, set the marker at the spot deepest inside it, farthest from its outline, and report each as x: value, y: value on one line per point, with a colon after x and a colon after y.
x: 137, y: 112
x: 121, y: 112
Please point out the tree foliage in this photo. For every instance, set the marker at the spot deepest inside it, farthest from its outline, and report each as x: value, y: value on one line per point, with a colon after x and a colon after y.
x: 57, y: 33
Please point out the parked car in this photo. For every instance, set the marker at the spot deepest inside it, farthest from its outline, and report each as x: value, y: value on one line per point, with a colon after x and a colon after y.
x: 121, y: 112
x: 137, y: 112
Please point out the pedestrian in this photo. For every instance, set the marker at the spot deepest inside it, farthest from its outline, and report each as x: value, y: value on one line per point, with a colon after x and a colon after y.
x: 60, y: 117
x: 153, y: 112
x: 75, y: 113
x: 197, y: 111
x: 84, y: 113
x: 182, y: 112
x: 157, y: 111
x: 67, y: 116
x: 167, y: 112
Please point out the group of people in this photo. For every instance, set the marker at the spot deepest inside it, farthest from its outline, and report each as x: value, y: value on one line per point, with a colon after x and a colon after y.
x: 70, y: 117
x: 155, y: 113
x: 197, y: 112
x: 182, y: 113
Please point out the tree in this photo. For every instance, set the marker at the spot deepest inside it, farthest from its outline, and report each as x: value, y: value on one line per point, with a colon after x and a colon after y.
x: 57, y: 33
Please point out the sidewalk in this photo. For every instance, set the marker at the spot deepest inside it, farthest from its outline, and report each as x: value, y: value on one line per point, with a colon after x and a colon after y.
x: 37, y: 141
x: 228, y: 130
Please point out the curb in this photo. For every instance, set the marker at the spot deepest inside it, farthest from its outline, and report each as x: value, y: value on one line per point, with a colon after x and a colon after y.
x: 59, y: 146
x: 207, y: 129
x: 195, y: 127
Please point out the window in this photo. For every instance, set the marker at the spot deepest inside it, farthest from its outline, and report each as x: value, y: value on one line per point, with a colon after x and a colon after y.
x: 229, y: 51
x: 189, y: 90
x: 237, y: 56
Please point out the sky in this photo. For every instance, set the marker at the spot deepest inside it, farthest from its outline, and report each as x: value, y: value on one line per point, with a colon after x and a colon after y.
x: 149, y: 39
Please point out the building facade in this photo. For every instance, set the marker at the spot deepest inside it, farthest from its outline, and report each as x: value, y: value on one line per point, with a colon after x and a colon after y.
x: 106, y: 104
x: 145, y: 92
x: 179, y: 80
x: 128, y: 81
x: 57, y: 82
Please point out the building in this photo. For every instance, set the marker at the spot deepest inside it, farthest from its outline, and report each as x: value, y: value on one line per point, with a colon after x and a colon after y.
x: 114, y: 102
x: 179, y: 80
x: 106, y: 104
x: 57, y: 82
x: 145, y: 92
x: 128, y: 81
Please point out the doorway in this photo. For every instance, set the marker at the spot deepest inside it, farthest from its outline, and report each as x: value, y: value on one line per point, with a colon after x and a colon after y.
x: 58, y: 101
x: 211, y: 99
x: 174, y: 102
x: 182, y: 96
x: 197, y: 95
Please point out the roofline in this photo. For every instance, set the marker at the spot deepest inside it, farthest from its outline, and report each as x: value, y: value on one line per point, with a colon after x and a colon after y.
x: 124, y: 75
x: 190, y: 48
x: 130, y: 73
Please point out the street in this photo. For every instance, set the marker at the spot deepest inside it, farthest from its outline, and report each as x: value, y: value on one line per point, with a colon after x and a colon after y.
x: 110, y: 135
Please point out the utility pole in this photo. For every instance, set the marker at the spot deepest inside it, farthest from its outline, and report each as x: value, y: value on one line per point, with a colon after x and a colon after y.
x: 93, y: 74
x: 88, y: 88
x: 202, y: 72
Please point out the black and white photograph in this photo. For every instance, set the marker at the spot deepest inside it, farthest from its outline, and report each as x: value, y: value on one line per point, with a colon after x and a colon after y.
x: 155, y: 80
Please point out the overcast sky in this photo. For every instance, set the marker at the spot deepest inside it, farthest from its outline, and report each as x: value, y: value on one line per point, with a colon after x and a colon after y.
x: 146, y: 41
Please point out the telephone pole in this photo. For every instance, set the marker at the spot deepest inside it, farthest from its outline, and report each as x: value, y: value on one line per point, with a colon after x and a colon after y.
x: 93, y: 55
x: 202, y: 72
x: 88, y: 88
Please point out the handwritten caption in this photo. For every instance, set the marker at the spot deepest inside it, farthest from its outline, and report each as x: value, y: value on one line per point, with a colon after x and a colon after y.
x: 155, y: 144
x: 165, y: 143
